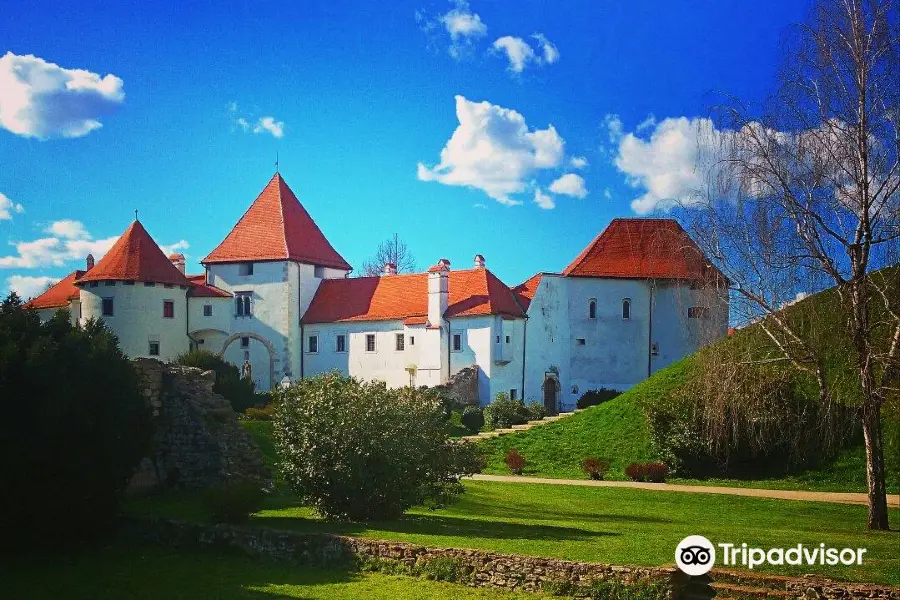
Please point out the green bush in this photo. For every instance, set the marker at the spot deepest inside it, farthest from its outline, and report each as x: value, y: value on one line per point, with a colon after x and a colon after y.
x: 233, y: 501
x: 74, y: 426
x: 536, y: 411
x: 473, y: 418
x: 241, y: 393
x: 259, y: 414
x: 595, y: 397
x: 356, y: 451
x: 503, y: 412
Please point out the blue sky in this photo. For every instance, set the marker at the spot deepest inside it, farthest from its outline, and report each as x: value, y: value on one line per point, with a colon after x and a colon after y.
x: 185, y: 106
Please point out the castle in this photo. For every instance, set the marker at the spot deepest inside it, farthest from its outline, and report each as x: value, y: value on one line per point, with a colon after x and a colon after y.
x: 278, y: 300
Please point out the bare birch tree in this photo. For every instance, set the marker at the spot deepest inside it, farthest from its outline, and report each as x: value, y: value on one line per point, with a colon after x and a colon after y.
x: 394, y: 251
x: 804, y: 195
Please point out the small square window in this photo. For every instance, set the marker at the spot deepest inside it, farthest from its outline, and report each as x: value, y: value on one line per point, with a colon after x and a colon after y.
x: 412, y: 340
x: 149, y: 284
x: 245, y: 269
x: 654, y: 349
x: 319, y: 272
x: 498, y: 339
x: 154, y: 349
x: 168, y: 309
x: 107, y: 307
x: 109, y: 283
x: 457, y: 342
x: 245, y: 342
x: 513, y: 394
x: 370, y: 342
x: 128, y: 282
x: 579, y: 341
x: 400, y: 343
x: 168, y: 286
x: 340, y: 343
x: 94, y: 283
x: 207, y: 310
x: 507, y: 339
x: 312, y: 344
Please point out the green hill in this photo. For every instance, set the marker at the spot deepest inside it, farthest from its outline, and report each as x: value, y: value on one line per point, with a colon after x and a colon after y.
x: 619, y: 432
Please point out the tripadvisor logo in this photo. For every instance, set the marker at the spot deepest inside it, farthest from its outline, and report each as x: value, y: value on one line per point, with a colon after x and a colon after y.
x: 696, y: 555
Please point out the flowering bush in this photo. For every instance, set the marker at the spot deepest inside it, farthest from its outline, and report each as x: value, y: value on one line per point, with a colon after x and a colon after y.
x: 515, y: 461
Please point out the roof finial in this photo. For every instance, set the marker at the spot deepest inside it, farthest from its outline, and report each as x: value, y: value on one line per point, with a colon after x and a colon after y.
x: 276, y: 161
x: 135, y: 215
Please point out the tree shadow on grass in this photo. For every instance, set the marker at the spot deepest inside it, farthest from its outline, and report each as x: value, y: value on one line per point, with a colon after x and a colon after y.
x: 486, y: 506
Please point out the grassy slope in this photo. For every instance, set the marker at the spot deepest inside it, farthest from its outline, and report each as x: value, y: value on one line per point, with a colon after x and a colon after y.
x: 610, y: 525
x: 151, y: 573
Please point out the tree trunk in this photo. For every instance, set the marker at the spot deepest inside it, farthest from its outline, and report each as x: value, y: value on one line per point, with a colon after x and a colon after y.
x: 878, y: 513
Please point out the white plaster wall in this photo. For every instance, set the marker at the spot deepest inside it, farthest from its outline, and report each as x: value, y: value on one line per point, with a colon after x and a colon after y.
x: 138, y: 316
x: 476, y: 349
x: 547, y: 336
x: 74, y: 308
x: 676, y: 333
x: 506, y: 370
x: 222, y: 315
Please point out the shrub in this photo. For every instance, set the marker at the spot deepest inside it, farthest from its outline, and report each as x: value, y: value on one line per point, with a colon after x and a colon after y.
x: 657, y: 472
x: 536, y: 411
x: 515, y: 461
x: 255, y: 413
x: 74, y: 426
x: 233, y: 501
x: 357, y: 450
x: 241, y: 393
x: 503, y: 412
x: 443, y: 568
x: 595, y: 397
x: 473, y: 418
x: 636, y: 471
x: 594, y: 467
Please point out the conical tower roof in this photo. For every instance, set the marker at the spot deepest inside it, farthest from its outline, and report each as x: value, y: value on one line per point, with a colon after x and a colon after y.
x: 135, y: 257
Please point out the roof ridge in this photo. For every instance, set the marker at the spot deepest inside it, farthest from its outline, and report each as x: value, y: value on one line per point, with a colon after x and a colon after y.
x: 281, y: 182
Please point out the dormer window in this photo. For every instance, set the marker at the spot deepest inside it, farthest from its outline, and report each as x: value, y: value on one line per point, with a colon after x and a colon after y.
x: 245, y: 269
x: 592, y: 309
x: 626, y: 308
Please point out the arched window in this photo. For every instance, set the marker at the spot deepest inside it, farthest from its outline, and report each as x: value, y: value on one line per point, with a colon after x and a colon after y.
x: 626, y: 308
x: 592, y: 309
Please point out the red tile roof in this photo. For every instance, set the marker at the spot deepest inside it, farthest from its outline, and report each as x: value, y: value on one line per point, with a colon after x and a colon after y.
x: 200, y: 289
x: 525, y: 291
x: 642, y: 248
x: 58, y: 296
x: 135, y: 257
x: 472, y: 292
x: 277, y: 227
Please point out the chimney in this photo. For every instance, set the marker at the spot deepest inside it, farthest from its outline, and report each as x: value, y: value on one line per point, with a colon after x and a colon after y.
x: 390, y: 269
x: 89, y: 262
x: 178, y: 261
x: 438, y: 291
x: 479, y: 261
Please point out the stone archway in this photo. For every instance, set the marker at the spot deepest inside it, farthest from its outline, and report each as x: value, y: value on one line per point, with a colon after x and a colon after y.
x: 259, y: 338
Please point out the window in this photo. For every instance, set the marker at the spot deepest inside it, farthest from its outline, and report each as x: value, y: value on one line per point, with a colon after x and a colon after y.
x: 319, y: 272
x: 507, y: 339
x: 626, y: 308
x: 94, y: 283
x: 242, y: 304
x: 513, y: 394
x: 245, y: 269
x: 154, y: 349
x: 168, y: 309
x: 457, y: 342
x: 109, y: 283
x: 592, y: 309
x: 340, y: 343
x: 400, y: 342
x: 245, y: 342
x: 149, y: 284
x: 312, y: 344
x: 128, y: 282
x: 654, y: 349
x: 579, y: 341
x: 207, y: 310
x: 412, y: 341
x: 370, y: 342
x: 698, y: 312
x: 107, y: 307
x: 246, y: 355
x: 168, y: 286
x: 498, y: 339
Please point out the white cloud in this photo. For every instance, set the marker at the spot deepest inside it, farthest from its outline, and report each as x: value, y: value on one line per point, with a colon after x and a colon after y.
x: 517, y: 51
x: 42, y: 100
x: 551, y: 54
x: 569, y: 184
x: 8, y: 207
x: 177, y: 248
x: 520, y: 54
x: 578, y: 162
x: 464, y: 27
x: 543, y: 200
x: 28, y: 287
x: 69, y: 229
x: 479, y: 205
x: 269, y: 125
x: 669, y: 165
x: 647, y: 123
x: 493, y: 150
x: 607, y: 193
x: 614, y: 128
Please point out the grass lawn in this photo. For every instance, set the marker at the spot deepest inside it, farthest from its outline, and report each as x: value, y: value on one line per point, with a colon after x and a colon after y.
x: 136, y: 573
x: 610, y: 525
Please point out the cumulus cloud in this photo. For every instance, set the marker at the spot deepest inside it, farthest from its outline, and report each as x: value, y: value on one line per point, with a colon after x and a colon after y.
x: 578, y: 162
x: 463, y: 25
x: 520, y: 54
x: 494, y: 150
x: 647, y: 123
x: 266, y: 124
x: 543, y: 200
x: 40, y: 99
x: 614, y: 128
x: 177, y: 248
x: 667, y: 166
x: 569, y: 184
x: 8, y: 207
x: 28, y: 287
x: 69, y: 229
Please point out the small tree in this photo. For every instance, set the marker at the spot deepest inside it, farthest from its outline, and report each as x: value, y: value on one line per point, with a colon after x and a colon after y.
x: 392, y: 250
x: 74, y: 425
x: 360, y: 451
